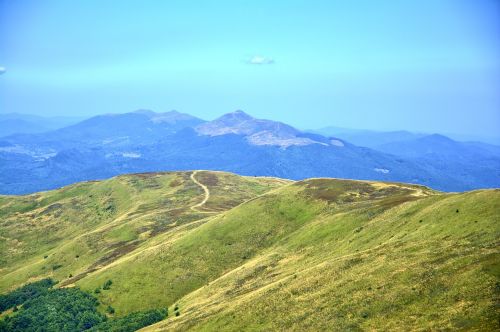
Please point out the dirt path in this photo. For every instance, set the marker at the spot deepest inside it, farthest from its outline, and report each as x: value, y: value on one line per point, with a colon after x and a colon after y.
x: 205, y: 189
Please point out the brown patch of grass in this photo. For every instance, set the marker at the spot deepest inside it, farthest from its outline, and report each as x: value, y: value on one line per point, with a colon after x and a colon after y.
x: 208, y: 179
x: 54, y: 209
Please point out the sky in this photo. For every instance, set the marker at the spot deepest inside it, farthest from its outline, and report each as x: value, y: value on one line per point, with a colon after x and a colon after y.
x: 427, y: 65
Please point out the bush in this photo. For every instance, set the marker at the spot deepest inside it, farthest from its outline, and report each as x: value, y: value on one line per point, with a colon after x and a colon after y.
x: 110, y: 310
x: 56, y: 266
x: 107, y: 284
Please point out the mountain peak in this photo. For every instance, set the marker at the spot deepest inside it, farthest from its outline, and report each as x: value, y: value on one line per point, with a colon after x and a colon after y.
x: 174, y: 117
x: 145, y: 112
x: 237, y: 115
x: 256, y: 131
x: 240, y: 113
x: 437, y: 139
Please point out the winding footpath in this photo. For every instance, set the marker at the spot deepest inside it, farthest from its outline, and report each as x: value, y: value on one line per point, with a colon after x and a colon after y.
x: 205, y: 189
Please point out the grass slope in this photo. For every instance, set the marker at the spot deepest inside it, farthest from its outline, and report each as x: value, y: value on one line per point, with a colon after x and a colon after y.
x: 267, y: 254
x: 84, y: 227
x: 328, y: 254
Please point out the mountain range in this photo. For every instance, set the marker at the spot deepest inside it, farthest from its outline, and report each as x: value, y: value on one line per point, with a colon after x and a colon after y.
x: 146, y: 141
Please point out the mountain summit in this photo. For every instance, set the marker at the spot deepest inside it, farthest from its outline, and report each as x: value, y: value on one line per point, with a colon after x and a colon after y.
x: 256, y: 131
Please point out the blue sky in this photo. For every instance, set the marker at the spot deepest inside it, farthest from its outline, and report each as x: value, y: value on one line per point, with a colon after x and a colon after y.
x: 428, y: 65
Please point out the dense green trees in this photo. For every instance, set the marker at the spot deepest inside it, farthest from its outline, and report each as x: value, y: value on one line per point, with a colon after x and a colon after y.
x: 65, y: 309
x: 25, y: 293
x: 132, y: 322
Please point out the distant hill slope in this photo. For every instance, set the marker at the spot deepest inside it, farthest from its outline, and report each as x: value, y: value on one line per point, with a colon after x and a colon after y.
x: 475, y: 163
x: 145, y: 141
x: 139, y: 127
x: 439, y: 146
x: 265, y: 254
x: 367, y: 138
x: 15, y: 123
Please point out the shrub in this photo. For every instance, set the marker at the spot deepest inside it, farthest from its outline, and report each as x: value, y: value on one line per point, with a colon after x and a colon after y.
x: 107, y: 284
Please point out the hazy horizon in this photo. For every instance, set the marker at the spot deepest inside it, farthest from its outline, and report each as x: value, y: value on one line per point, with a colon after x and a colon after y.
x: 423, y: 67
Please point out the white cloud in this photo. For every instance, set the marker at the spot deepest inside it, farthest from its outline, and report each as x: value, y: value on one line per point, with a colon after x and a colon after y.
x: 2, y: 70
x: 260, y: 60
x: 131, y: 155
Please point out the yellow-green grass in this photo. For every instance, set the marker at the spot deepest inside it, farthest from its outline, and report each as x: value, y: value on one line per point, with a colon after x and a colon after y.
x: 86, y: 226
x: 269, y: 254
x: 407, y: 261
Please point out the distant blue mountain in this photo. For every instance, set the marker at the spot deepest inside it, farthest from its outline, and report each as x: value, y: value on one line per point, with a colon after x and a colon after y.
x: 476, y: 164
x: 373, y: 139
x: 144, y: 141
x: 15, y: 123
x: 140, y: 127
x: 440, y: 147
x: 368, y: 138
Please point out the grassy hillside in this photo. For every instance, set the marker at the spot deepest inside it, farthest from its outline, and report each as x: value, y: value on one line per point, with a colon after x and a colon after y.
x: 376, y: 264
x: 68, y: 233
x: 319, y: 254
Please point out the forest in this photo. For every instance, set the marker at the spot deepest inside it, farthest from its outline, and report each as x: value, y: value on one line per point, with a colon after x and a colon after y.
x: 38, y: 306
